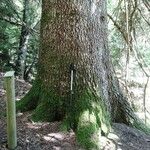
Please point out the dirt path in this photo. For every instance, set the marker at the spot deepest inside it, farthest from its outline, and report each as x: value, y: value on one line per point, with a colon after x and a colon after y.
x: 47, y: 136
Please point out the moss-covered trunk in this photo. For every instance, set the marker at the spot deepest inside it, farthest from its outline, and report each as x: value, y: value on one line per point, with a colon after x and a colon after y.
x: 74, y: 37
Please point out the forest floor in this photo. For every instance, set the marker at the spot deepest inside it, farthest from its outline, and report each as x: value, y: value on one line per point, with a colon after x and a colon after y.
x: 47, y: 136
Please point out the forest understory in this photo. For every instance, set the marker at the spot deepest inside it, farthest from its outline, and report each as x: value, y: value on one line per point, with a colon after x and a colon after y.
x: 49, y: 136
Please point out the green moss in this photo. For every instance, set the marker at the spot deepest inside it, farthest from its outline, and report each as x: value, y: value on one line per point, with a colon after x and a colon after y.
x: 30, y: 100
x: 84, y: 112
x: 88, y: 131
x: 41, y: 113
x: 46, y: 17
x: 102, y: 117
x: 141, y: 126
x: 93, y: 119
x: 50, y: 107
x: 88, y: 118
x: 47, y: 105
x: 84, y: 136
x: 64, y: 127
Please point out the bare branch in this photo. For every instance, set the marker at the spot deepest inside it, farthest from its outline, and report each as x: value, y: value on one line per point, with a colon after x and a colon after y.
x: 118, y: 27
x: 10, y: 21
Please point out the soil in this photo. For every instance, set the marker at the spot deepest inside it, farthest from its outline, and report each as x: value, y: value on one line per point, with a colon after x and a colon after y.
x: 47, y: 136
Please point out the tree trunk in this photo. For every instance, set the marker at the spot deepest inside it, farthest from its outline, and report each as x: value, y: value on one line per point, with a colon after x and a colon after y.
x: 74, y: 44
x: 23, y: 44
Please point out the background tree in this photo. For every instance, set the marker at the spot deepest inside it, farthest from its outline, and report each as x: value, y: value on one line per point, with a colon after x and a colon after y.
x: 129, y: 42
x: 23, y: 44
x: 29, y: 23
x: 13, y: 25
x: 9, y: 33
x: 74, y: 39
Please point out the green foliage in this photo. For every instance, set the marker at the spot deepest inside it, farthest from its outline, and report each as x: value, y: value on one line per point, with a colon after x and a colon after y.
x: 11, y: 16
x: 9, y: 33
x: 9, y: 43
x: 138, y: 27
x: 116, y: 47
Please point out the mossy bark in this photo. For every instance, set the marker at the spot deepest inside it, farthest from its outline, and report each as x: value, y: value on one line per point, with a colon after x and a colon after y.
x: 75, y: 33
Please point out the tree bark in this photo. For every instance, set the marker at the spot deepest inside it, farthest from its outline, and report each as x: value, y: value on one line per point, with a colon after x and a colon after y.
x: 23, y: 44
x: 74, y: 38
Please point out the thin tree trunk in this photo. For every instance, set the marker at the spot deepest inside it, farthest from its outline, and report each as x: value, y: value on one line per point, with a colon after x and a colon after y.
x: 23, y: 44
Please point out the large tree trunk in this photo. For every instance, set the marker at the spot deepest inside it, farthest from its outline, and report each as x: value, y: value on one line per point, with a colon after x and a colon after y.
x: 74, y: 36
